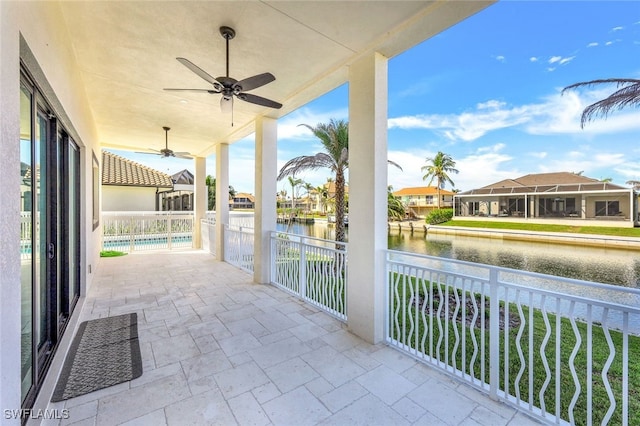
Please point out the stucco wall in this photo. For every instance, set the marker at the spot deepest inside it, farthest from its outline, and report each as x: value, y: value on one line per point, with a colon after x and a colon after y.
x: 128, y: 198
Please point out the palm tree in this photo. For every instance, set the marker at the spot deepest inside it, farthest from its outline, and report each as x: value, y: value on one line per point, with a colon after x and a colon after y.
x: 323, y: 195
x: 334, y: 137
x: 294, y: 184
x: 634, y: 183
x: 439, y: 168
x: 308, y: 188
x: 627, y: 94
x: 395, y: 208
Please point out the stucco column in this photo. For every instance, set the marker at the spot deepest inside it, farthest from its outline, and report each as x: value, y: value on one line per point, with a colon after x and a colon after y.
x: 199, y: 199
x: 222, y: 196
x: 367, y: 196
x: 266, y: 188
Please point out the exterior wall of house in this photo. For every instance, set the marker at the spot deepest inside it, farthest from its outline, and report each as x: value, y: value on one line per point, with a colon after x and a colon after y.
x: 608, y: 209
x: 47, y: 54
x: 128, y: 198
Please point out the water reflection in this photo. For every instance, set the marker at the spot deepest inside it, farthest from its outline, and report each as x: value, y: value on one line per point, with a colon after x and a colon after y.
x: 610, y: 266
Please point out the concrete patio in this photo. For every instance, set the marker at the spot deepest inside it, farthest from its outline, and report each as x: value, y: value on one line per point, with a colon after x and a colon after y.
x: 219, y: 349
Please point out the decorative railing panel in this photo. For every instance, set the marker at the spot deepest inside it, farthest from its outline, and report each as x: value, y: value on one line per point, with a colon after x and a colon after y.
x: 238, y: 247
x: 311, y: 268
x: 560, y: 349
x: 140, y: 231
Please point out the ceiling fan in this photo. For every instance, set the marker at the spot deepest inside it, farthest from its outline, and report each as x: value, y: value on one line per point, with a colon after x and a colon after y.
x: 166, y: 152
x: 229, y: 87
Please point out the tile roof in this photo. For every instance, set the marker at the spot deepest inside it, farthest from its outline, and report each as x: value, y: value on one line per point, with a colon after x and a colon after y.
x: 545, y: 182
x: 421, y: 190
x: 119, y: 171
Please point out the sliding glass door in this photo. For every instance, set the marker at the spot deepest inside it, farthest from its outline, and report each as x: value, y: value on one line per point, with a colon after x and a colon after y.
x: 50, y: 245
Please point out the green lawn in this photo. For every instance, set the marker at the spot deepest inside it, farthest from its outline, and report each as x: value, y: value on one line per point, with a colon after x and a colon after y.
x: 598, y: 230
x: 414, y: 327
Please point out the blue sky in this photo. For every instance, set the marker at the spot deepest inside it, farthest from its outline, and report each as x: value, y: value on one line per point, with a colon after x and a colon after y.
x: 488, y: 92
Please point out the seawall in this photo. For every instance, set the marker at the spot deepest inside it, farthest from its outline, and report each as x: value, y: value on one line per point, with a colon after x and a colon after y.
x: 592, y: 240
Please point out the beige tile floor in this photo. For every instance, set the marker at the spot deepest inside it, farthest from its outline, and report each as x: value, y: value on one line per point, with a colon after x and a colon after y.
x: 218, y: 349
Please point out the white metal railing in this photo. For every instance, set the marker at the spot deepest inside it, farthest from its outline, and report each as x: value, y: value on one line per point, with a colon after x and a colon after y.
x: 139, y: 231
x: 208, y: 235
x: 25, y: 235
x: 238, y: 247
x: 557, y: 348
x: 311, y: 268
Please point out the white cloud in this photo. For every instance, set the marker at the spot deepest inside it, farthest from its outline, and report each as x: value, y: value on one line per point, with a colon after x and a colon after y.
x: 555, y: 114
x: 561, y: 60
x: 289, y: 126
x: 500, y: 58
x: 593, y: 44
x: 483, y: 166
x: 539, y: 155
x: 533, y: 59
x: 614, y: 29
x: 608, y: 43
x: 564, y: 61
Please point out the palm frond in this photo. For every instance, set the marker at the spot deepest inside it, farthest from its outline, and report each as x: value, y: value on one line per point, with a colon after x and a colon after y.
x: 627, y: 95
x: 306, y: 162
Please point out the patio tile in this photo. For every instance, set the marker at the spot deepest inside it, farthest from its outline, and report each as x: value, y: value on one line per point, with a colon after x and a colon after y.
x: 266, y: 392
x: 486, y: 417
x: 298, y: 407
x: 181, y: 324
x: 290, y: 374
x: 279, y: 351
x: 336, y: 368
x: 394, y: 359
x: 209, y: 408
x: 149, y: 376
x: 346, y: 394
x: 239, y: 343
x: 443, y: 402
x: 367, y: 411
x: 154, y: 418
x: 238, y: 380
x: 162, y: 312
x: 275, y: 321
x: 205, y: 365
x: 241, y: 312
x: 409, y: 409
x: 319, y: 386
x: 206, y: 343
x: 247, y: 325
x: 308, y: 331
x: 172, y: 349
x: 88, y: 410
x: 248, y: 411
x: 386, y: 384
x: 211, y: 326
x: 341, y: 340
x: 136, y: 402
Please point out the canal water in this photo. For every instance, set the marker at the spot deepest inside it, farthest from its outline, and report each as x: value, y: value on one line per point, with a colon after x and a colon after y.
x: 610, y: 266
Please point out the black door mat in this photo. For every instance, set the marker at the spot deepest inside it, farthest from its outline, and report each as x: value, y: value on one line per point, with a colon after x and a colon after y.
x: 104, y: 352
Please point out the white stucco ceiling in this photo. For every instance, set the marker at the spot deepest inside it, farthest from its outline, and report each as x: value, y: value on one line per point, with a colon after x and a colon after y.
x: 126, y: 52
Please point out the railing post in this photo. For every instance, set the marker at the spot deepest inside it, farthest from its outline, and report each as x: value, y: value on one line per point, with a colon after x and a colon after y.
x: 131, y: 235
x: 302, y: 283
x: 169, y: 231
x: 494, y: 334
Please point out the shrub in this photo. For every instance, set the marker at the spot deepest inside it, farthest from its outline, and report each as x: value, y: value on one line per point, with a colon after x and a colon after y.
x: 439, y: 216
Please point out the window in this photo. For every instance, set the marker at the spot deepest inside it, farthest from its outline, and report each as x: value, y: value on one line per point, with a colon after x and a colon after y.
x: 607, y: 208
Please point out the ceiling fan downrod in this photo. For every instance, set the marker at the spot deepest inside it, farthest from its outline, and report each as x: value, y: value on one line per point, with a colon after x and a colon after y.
x: 228, y: 33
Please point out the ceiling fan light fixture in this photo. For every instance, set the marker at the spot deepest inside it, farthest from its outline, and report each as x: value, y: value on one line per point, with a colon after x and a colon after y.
x: 226, y: 104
